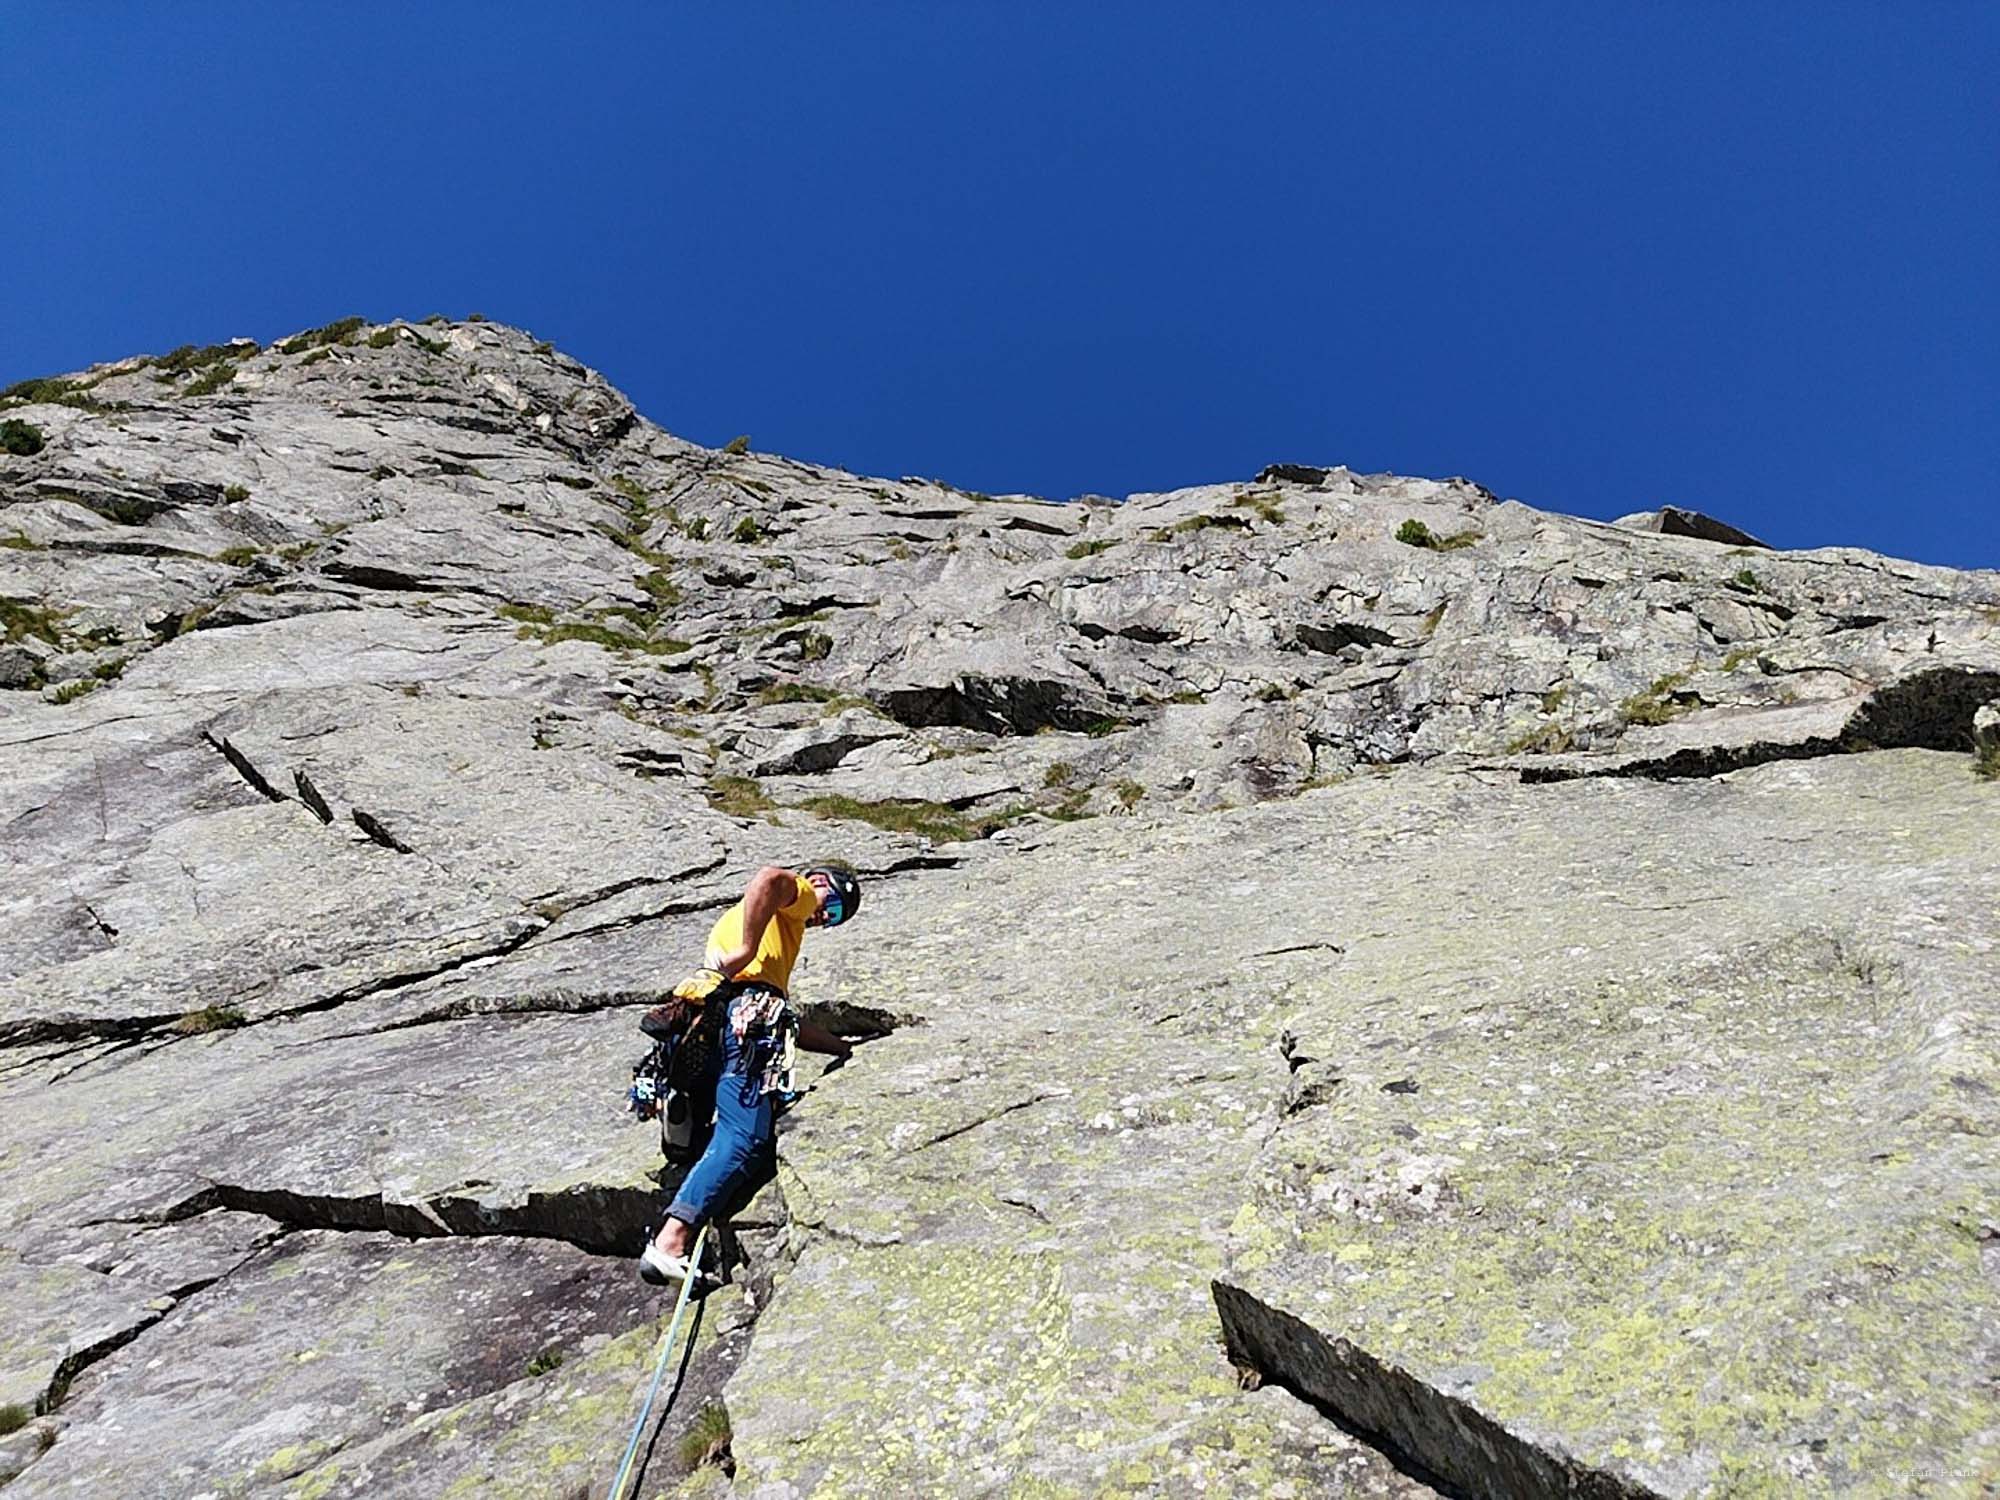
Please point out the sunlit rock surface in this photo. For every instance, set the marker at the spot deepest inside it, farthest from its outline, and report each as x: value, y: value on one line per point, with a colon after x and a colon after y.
x: 1365, y: 986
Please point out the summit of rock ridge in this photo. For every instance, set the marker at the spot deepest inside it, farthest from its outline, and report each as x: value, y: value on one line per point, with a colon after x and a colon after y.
x: 1373, y: 987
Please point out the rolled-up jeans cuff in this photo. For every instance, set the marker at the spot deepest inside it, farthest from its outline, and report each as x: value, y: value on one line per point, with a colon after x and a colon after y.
x: 687, y: 1213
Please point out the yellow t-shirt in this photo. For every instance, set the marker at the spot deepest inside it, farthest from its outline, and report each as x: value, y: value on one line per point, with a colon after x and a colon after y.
x: 778, y: 948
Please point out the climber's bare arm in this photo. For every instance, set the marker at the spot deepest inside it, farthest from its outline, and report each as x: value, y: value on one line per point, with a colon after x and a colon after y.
x: 819, y: 1039
x: 770, y: 889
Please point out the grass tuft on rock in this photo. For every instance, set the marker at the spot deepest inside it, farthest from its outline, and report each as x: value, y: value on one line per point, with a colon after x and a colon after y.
x: 808, y: 692
x: 1543, y: 739
x: 1081, y: 550
x: 55, y: 391
x: 22, y: 439
x: 1263, y: 503
x: 340, y: 332
x: 1986, y: 762
x: 1658, y: 704
x: 739, y: 444
x: 189, y: 358
x: 209, y: 383
x: 209, y: 1018
x: 13, y: 1417
x: 539, y: 623
x: 543, y: 1363
x: 1414, y: 533
x: 739, y: 796
x: 931, y: 820
x: 19, y: 620
x: 1188, y: 525
x: 707, y: 1439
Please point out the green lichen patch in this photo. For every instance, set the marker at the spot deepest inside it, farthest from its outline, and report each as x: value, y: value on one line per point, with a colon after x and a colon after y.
x: 989, y: 1339
x: 1606, y: 1218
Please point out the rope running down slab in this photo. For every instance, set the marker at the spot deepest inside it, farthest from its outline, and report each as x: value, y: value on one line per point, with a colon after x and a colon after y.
x: 660, y: 1369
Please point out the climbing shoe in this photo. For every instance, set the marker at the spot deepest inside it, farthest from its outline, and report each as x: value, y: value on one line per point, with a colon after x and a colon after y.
x: 657, y: 1268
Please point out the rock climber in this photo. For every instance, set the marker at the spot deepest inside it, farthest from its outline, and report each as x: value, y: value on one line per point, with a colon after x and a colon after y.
x: 751, y: 950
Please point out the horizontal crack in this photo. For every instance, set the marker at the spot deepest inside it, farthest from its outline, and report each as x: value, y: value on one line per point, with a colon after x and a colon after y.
x: 597, y: 1219
x: 1300, y: 948
x: 1696, y: 761
x: 470, y: 1007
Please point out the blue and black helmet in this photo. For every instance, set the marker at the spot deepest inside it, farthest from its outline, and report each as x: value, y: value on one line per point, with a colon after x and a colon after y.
x: 843, y: 897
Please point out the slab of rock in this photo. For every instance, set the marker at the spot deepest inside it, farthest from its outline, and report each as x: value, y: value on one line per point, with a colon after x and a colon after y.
x: 354, y: 1335
x: 410, y: 663
x: 1675, y: 520
x: 60, y: 1318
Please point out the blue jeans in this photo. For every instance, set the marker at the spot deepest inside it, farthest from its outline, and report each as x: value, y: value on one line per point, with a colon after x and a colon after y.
x: 741, y: 1153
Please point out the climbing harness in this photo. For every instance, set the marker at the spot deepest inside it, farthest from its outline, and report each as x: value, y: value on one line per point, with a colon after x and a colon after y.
x: 669, y: 1078
x: 617, y: 1490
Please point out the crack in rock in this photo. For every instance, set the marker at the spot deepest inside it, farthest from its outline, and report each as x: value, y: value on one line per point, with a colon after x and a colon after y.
x: 594, y: 1218
x: 310, y: 796
x: 1424, y: 1431
x: 372, y: 826
x: 958, y: 1130
x: 252, y: 777
x: 562, y: 1002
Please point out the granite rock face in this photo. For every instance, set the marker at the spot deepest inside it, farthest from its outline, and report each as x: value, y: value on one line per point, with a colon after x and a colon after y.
x: 1366, y: 986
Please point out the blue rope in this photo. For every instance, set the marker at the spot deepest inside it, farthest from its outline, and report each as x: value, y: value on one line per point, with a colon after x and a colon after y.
x: 660, y: 1369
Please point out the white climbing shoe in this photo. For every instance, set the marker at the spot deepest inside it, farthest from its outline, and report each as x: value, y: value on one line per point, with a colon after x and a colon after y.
x: 657, y: 1268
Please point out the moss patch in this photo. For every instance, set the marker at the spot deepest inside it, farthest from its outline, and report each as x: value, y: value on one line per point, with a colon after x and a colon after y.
x: 208, y: 1019
x: 20, y: 620
x: 1414, y: 533
x: 739, y: 796
x: 1263, y: 503
x: 1660, y: 702
x: 539, y: 623
x: 931, y: 820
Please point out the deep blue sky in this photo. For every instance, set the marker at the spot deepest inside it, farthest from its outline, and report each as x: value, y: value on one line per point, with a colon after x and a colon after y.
x: 1598, y: 256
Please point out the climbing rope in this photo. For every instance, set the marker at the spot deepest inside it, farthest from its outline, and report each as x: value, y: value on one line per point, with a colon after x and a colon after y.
x: 659, y: 1370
